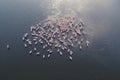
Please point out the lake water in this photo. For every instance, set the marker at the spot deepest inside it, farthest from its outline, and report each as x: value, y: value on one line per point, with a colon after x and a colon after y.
x: 101, y: 61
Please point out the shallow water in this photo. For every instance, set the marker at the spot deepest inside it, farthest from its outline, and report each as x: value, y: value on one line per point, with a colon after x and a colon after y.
x: 100, y: 62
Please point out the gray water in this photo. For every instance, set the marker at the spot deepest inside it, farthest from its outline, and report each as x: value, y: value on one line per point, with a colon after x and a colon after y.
x: 101, y: 61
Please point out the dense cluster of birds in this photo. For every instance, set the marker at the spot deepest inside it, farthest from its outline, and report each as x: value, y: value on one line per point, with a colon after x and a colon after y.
x: 58, y: 36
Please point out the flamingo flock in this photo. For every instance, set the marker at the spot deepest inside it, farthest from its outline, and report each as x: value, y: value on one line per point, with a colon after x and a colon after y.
x: 56, y: 37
